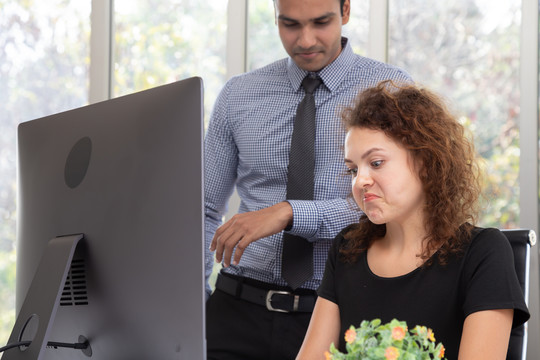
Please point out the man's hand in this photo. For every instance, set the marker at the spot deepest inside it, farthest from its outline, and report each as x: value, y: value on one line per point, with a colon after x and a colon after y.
x: 242, y: 229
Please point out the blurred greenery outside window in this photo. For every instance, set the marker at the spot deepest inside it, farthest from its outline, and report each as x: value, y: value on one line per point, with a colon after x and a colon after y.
x: 469, y: 51
x: 158, y: 42
x: 44, y: 61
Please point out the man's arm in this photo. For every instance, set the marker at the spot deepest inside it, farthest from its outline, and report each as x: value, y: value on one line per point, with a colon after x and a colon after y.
x: 220, y: 164
x: 323, y: 219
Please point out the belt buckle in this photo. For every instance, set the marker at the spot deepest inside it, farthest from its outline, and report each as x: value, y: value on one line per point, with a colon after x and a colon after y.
x: 271, y: 293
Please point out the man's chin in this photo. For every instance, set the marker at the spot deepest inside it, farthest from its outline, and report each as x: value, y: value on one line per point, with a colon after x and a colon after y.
x: 312, y: 63
x: 310, y: 66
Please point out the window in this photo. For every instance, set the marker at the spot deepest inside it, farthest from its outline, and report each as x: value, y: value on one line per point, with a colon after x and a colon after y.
x: 43, y: 70
x: 469, y: 52
x: 264, y: 45
x: 158, y: 42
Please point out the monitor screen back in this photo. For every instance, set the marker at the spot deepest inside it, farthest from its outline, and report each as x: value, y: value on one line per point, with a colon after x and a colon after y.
x: 126, y: 173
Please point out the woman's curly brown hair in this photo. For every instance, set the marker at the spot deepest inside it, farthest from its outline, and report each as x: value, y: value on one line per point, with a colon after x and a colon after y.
x: 420, y: 121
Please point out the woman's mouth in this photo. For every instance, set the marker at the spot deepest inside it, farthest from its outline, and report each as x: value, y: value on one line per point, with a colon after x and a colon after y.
x: 369, y: 197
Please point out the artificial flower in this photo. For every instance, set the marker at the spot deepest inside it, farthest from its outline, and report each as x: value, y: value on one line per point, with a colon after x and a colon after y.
x: 350, y: 336
x: 390, y: 341
x: 398, y: 333
x: 391, y: 353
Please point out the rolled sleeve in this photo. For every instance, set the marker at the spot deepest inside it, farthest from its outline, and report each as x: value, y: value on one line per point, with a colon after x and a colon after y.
x: 322, y: 219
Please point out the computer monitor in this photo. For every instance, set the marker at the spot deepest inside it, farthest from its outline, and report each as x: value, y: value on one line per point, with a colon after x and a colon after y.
x: 110, y: 210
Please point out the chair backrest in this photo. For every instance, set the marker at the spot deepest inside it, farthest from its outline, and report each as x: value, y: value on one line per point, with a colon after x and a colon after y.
x: 521, y: 241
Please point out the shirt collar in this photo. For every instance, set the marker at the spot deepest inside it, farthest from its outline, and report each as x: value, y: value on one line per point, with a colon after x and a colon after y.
x: 331, y: 75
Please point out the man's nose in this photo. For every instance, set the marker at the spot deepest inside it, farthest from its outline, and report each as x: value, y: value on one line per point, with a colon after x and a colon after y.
x: 307, y: 38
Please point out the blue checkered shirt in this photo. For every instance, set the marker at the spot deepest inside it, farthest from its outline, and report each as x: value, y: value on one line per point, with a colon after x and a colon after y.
x: 247, y: 145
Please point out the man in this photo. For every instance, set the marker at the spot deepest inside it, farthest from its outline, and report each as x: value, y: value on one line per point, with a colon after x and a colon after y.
x: 254, y: 312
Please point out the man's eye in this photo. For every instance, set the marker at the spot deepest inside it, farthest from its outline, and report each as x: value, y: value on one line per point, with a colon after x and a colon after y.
x: 322, y: 22
x: 289, y: 24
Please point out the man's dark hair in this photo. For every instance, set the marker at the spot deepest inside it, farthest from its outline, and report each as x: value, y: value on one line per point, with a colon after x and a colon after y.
x: 340, y: 1
x: 341, y: 7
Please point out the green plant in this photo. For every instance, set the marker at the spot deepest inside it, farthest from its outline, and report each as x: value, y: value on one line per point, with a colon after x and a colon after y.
x: 390, y: 341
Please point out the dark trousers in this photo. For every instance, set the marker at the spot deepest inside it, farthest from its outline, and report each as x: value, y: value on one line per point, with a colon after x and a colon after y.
x: 240, y: 330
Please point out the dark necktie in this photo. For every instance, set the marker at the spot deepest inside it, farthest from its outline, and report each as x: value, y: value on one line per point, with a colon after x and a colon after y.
x: 297, y: 257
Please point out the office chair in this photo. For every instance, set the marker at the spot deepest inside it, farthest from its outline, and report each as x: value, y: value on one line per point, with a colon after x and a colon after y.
x: 521, y: 241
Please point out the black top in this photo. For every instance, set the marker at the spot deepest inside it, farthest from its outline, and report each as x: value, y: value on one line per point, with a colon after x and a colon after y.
x: 439, y: 297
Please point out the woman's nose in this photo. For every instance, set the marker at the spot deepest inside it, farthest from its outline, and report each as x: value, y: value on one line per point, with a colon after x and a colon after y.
x: 363, y: 179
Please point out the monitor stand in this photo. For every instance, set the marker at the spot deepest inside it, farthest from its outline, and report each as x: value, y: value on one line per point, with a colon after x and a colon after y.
x: 39, y: 308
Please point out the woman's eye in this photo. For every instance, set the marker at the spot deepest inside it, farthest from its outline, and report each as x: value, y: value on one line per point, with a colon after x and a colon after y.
x: 352, y: 172
x: 376, y: 163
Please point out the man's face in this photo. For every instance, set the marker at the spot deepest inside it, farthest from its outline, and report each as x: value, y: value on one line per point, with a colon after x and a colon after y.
x: 310, y: 30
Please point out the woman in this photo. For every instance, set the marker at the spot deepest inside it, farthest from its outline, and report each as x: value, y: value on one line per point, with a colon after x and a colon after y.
x: 415, y: 255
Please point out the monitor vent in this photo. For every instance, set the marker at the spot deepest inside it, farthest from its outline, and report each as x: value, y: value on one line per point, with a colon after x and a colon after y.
x: 75, y: 292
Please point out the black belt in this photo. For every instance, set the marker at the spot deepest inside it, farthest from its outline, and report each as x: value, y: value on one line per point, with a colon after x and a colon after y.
x: 273, y: 300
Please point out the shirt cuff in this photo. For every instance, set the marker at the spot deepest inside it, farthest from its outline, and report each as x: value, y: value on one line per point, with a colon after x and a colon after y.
x: 305, y: 218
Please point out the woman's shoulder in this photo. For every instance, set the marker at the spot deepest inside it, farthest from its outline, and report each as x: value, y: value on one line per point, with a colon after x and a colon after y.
x: 489, y: 243
x: 488, y: 236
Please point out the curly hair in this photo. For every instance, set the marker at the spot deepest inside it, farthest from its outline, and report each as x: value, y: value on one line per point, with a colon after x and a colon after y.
x: 421, y: 122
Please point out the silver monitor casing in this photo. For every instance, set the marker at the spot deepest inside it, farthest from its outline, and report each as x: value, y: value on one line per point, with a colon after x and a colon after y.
x: 119, y: 185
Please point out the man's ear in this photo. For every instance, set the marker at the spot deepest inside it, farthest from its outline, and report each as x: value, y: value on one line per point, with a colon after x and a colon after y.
x: 346, y: 12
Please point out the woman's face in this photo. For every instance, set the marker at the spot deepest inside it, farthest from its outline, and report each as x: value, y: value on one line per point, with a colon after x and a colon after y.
x: 385, y: 181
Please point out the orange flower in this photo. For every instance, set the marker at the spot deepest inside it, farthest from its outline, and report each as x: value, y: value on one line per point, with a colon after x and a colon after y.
x: 431, y: 335
x: 327, y: 355
x: 391, y: 353
x: 441, y: 353
x: 398, y: 333
x: 350, y: 336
